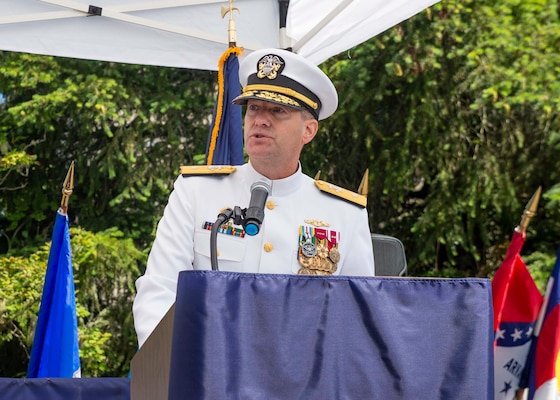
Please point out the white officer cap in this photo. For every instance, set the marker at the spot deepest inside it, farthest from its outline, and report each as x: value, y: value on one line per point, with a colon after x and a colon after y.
x: 286, y: 78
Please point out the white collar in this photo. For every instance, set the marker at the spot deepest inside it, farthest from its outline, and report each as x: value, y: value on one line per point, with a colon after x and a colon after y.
x: 280, y: 187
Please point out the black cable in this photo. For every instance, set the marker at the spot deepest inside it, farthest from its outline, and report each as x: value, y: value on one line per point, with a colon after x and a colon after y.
x: 223, y: 216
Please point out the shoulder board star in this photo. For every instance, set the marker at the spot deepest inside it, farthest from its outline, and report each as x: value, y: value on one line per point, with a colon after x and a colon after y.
x: 344, y: 194
x: 197, y: 170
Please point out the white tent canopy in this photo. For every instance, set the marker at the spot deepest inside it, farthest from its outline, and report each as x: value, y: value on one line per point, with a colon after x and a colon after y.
x: 192, y: 33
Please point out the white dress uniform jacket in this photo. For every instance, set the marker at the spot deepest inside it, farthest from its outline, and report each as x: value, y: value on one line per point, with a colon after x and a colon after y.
x: 183, y: 243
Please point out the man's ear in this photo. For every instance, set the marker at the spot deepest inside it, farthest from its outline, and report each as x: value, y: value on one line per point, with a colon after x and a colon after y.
x: 311, y: 128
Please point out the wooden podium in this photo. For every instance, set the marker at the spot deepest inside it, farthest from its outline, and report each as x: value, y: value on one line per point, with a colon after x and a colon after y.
x: 150, y: 367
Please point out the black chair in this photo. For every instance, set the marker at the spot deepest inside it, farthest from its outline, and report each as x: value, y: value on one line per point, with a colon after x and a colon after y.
x: 389, y: 255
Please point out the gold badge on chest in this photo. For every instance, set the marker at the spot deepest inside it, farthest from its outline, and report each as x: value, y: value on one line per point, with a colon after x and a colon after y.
x: 318, y: 249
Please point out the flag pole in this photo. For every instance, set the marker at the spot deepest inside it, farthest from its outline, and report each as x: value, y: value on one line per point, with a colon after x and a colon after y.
x: 529, y: 212
x: 67, y: 188
x: 363, y: 188
x: 284, y: 40
x: 225, y: 138
x: 232, y: 31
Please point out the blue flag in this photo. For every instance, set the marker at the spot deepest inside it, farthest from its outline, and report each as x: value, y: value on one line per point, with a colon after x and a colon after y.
x: 225, y: 140
x: 54, y: 353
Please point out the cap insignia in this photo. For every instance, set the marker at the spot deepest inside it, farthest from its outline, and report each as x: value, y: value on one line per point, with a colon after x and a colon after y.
x: 270, y: 66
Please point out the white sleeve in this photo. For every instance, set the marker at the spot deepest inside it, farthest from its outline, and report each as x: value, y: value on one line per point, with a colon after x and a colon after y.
x: 172, y: 252
x: 358, y: 247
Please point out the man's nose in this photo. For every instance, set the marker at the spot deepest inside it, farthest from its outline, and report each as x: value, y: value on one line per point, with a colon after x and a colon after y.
x: 262, y: 117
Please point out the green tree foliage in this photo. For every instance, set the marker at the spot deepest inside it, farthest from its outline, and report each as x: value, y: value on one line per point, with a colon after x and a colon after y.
x: 455, y: 112
x: 128, y: 128
x: 105, y: 267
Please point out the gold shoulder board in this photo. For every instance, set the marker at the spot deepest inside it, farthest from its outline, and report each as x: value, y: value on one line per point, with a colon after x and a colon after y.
x: 345, y: 194
x: 197, y: 170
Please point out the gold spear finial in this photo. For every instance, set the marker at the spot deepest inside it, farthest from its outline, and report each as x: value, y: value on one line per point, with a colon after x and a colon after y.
x: 530, y: 211
x: 67, y: 188
x: 318, y: 175
x: 363, y: 188
x: 232, y: 32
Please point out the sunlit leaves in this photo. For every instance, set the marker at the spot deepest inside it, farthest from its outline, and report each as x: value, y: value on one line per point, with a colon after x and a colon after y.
x: 105, y: 267
x: 454, y: 112
x: 128, y: 128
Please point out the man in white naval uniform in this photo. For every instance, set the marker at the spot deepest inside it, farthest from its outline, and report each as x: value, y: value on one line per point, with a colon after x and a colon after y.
x: 310, y: 227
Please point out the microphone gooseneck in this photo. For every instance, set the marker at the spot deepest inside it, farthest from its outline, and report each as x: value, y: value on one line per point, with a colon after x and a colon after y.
x: 223, y: 217
x: 254, y: 214
x: 251, y: 218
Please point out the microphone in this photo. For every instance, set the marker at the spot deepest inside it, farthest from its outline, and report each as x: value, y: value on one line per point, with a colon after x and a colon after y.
x: 254, y: 214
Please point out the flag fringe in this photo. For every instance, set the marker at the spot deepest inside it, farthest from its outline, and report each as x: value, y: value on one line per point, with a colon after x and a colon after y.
x: 219, y: 106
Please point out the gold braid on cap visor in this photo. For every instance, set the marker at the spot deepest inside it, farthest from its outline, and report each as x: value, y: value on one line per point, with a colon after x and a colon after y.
x: 285, y: 91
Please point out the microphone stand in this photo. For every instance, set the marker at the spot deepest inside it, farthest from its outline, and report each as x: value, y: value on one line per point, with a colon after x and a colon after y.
x: 250, y: 217
x: 225, y: 215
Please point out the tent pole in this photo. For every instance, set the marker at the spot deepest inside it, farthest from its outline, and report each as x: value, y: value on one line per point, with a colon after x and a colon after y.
x: 336, y: 11
x: 285, y: 42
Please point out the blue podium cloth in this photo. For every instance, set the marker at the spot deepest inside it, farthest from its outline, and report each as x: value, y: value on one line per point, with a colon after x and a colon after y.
x: 65, y: 388
x: 257, y: 336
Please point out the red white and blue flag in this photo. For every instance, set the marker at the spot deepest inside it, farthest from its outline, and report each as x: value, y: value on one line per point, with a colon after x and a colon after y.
x: 543, y: 381
x: 516, y: 301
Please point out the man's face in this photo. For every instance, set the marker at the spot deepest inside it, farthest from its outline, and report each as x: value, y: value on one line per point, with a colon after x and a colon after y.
x: 275, y: 133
